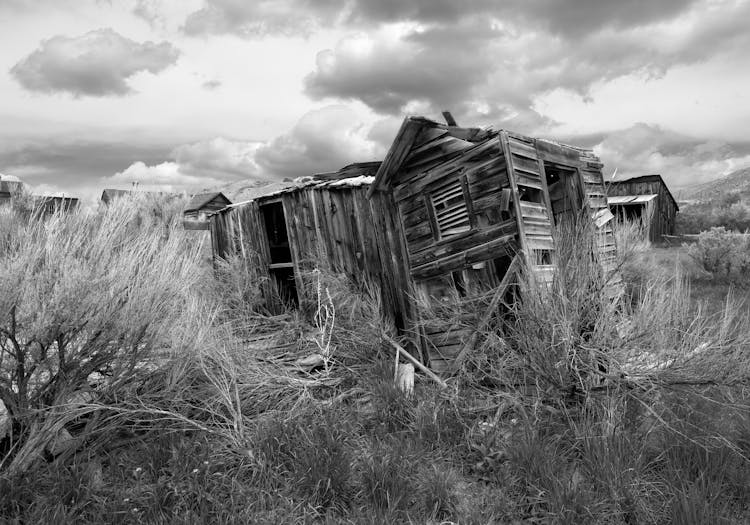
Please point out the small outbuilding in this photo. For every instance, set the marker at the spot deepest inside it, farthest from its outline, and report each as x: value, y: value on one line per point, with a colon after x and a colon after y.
x: 195, y: 215
x: 49, y: 204
x: 10, y: 186
x: 645, y: 198
x: 109, y: 194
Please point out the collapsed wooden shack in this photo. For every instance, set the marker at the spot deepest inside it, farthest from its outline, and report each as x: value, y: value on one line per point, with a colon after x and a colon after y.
x: 645, y: 198
x: 195, y: 215
x: 470, y: 199
x: 286, y: 227
x: 446, y: 216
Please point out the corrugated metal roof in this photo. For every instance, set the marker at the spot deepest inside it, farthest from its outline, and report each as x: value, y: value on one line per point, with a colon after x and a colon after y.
x: 631, y: 199
x: 277, y: 188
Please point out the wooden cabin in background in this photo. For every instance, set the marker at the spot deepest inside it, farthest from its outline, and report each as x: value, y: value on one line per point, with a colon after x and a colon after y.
x: 440, y: 219
x: 10, y: 186
x: 645, y: 198
x: 109, y: 194
x: 201, y: 205
x: 50, y: 204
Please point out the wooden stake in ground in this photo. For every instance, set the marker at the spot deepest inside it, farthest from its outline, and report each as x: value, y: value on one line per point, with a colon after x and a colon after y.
x: 402, y: 351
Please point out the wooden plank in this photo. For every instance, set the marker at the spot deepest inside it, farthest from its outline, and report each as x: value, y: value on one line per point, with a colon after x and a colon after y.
x: 443, y: 170
x: 504, y: 143
x: 532, y: 209
x: 498, y: 246
x: 396, y: 155
x: 475, y: 238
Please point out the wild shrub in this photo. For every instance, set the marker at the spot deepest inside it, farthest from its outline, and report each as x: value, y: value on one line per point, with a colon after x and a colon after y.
x: 723, y: 253
x: 83, y: 294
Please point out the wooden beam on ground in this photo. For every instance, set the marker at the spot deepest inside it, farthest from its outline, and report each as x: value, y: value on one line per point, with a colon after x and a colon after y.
x: 402, y: 351
x: 500, y: 291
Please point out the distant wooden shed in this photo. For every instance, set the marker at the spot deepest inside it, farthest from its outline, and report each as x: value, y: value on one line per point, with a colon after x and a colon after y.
x: 10, y: 186
x: 646, y: 198
x: 442, y: 217
x: 49, y: 204
x: 109, y: 194
x: 195, y: 215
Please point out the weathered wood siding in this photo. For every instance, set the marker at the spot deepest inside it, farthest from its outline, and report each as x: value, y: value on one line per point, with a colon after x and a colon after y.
x: 239, y: 231
x: 356, y: 236
x: 449, y: 264
x: 664, y: 212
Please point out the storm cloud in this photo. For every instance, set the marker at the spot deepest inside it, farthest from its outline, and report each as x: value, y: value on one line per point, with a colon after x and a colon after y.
x: 98, y: 64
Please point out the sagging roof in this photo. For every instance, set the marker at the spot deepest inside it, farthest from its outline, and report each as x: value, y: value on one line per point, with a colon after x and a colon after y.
x: 417, y: 130
x: 631, y: 199
x: 647, y: 178
x: 9, y: 178
x: 414, y: 142
x: 199, y: 200
x: 352, y: 175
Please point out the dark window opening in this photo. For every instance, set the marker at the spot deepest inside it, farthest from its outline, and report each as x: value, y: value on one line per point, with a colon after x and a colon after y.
x: 563, y: 188
x: 501, y: 265
x: 630, y: 213
x: 278, y: 241
x: 527, y: 194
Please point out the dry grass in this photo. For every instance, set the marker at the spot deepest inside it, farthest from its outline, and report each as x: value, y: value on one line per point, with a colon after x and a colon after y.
x: 572, y: 410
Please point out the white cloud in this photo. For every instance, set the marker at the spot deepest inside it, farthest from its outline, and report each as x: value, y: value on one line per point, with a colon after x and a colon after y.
x: 681, y: 159
x: 97, y: 64
x: 323, y: 140
x: 194, y: 166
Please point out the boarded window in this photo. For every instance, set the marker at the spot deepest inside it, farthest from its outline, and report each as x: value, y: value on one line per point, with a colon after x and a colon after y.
x: 450, y: 209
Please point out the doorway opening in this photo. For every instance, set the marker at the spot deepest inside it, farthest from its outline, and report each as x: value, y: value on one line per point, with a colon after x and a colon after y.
x: 280, y: 267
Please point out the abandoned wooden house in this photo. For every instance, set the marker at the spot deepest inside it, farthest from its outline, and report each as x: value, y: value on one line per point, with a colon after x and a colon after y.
x: 50, y: 204
x: 201, y: 205
x: 446, y: 215
x: 109, y: 194
x: 645, y: 198
x: 10, y: 186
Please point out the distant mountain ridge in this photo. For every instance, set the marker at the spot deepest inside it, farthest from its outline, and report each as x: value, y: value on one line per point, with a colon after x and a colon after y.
x: 736, y: 182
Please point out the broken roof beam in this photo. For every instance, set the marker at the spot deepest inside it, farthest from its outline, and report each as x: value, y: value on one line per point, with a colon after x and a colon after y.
x: 449, y: 119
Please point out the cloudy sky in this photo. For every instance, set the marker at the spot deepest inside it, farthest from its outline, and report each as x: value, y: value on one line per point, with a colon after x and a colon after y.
x: 190, y: 94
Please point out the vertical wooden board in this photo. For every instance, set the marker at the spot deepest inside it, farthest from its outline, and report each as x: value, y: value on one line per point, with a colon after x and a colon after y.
x: 329, y: 236
x: 368, y: 261
x: 349, y: 237
x: 293, y: 235
x: 392, y: 252
x: 388, y: 275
